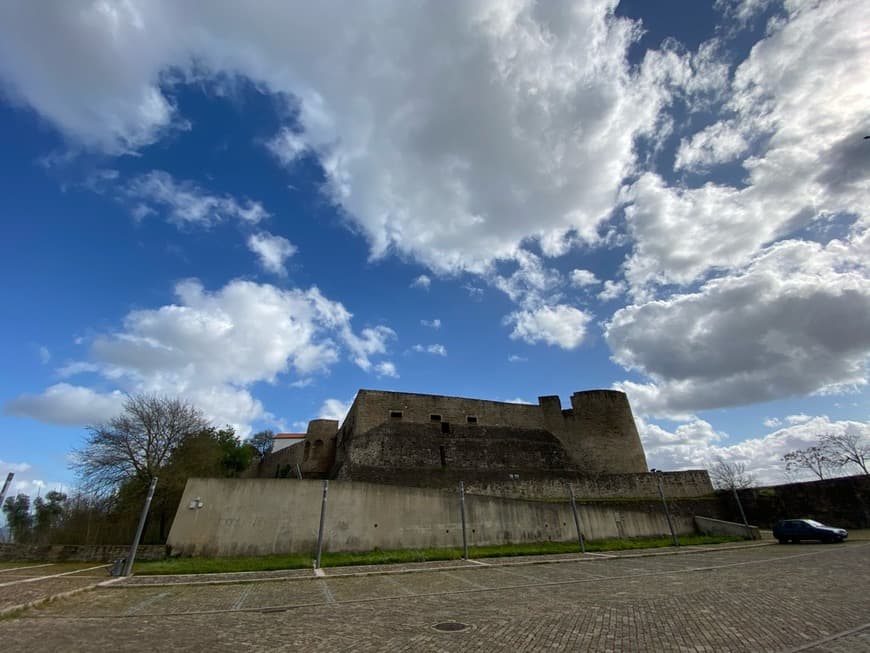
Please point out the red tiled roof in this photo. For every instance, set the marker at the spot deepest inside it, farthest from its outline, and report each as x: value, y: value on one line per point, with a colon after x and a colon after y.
x: 289, y: 436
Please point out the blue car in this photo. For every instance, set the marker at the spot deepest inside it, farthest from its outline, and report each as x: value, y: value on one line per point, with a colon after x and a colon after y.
x: 795, y: 530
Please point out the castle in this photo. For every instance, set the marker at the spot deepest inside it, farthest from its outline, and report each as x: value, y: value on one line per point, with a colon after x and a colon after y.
x: 421, y: 440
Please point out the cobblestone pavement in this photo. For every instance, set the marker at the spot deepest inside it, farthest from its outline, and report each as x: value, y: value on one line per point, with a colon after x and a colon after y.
x: 754, y: 598
x: 24, y: 582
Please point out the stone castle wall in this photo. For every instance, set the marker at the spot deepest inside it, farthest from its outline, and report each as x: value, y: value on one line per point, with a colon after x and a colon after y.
x: 598, y: 432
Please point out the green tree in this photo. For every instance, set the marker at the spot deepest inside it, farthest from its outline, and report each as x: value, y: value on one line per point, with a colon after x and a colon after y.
x: 49, y: 512
x: 18, y: 517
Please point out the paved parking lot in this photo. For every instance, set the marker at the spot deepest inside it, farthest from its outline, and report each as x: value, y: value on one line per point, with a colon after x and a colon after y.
x: 747, y: 598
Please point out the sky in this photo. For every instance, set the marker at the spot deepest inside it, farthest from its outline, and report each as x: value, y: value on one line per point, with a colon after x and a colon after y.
x: 264, y: 211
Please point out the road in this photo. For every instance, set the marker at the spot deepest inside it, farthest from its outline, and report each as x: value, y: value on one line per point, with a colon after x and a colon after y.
x: 753, y: 597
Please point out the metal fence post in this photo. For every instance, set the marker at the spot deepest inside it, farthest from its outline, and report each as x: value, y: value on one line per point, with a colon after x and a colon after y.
x: 665, y: 504
x: 742, y: 514
x: 128, y: 567
x: 462, y: 514
x: 322, y: 520
x: 9, y: 478
x: 576, y: 518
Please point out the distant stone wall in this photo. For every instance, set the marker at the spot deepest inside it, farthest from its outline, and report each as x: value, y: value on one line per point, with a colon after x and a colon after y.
x: 843, y: 502
x: 264, y: 516
x: 78, y: 552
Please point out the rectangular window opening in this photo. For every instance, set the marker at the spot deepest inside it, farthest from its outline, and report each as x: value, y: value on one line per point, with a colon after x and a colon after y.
x: 445, y: 427
x: 395, y: 414
x: 471, y: 419
x: 434, y: 418
x: 443, y: 456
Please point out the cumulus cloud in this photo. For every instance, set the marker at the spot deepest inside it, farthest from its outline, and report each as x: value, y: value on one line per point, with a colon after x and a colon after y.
x: 438, y: 350
x: 271, y: 251
x: 696, y: 444
x: 612, y: 290
x: 67, y: 405
x: 432, y: 324
x: 530, y: 142
x: 794, y: 120
x: 793, y: 322
x: 185, y: 203
x: 386, y: 368
x: 210, y: 347
x: 335, y: 409
x: 583, y: 278
x: 562, y: 326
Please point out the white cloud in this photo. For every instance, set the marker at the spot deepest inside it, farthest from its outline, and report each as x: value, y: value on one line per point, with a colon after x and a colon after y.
x: 386, y: 368
x: 44, y: 355
x: 531, y: 141
x: 272, y: 251
x: 772, y: 422
x: 514, y: 358
x: 422, y: 281
x: 696, y: 445
x: 801, y: 418
x: 793, y: 322
x: 432, y: 324
x: 583, y: 278
x: 210, y: 347
x: 334, y: 409
x: 15, y: 468
x: 795, y: 121
x: 560, y: 325
x: 185, y: 203
x: 67, y: 405
x: 438, y: 350
x: 612, y: 290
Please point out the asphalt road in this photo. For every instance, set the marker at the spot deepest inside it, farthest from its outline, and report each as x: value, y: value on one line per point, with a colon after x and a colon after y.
x: 754, y: 597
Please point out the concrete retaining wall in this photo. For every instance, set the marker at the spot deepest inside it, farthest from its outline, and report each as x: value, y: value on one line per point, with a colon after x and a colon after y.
x: 264, y: 516
x: 709, y: 526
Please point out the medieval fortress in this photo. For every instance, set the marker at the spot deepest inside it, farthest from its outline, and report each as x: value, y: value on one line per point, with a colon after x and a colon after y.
x: 395, y: 463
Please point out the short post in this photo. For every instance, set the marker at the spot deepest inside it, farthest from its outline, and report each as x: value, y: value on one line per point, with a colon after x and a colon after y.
x: 665, y: 504
x: 128, y: 568
x: 462, y: 514
x: 576, y: 518
x: 322, y: 520
x: 298, y: 472
x: 742, y: 514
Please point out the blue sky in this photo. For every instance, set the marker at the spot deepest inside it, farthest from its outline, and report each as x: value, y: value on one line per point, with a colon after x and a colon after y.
x: 265, y: 212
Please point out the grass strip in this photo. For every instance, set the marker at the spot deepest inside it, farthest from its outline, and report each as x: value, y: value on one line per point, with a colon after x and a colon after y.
x: 399, y: 556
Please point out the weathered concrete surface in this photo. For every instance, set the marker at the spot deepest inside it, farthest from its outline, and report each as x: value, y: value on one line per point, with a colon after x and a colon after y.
x: 263, y: 516
x: 747, y: 599
x: 709, y: 526
x: 79, y: 552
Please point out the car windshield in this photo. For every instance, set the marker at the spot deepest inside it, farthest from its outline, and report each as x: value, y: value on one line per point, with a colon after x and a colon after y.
x: 814, y: 523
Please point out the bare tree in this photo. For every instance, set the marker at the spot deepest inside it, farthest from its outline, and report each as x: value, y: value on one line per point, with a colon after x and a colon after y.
x: 847, y: 449
x: 262, y: 441
x: 729, y: 475
x: 137, y: 443
x: 817, y: 460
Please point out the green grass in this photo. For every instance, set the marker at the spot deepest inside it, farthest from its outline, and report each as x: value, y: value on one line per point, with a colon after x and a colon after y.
x: 222, y: 565
x: 378, y: 557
